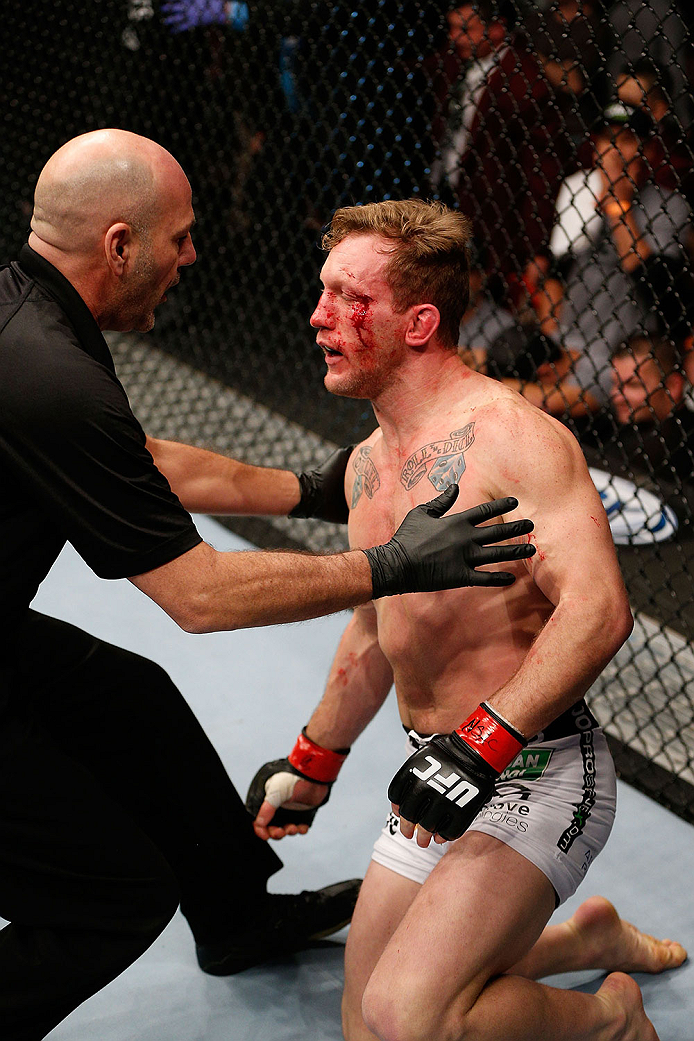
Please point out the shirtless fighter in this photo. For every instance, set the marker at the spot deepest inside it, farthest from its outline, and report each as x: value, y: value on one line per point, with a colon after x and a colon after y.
x: 510, y: 774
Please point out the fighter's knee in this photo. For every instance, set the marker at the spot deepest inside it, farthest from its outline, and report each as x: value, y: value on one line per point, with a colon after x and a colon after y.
x: 395, y: 1013
x: 381, y: 1014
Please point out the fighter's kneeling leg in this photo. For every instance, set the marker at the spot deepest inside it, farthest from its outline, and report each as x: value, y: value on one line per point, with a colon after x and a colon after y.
x: 407, y: 990
x: 481, y: 908
x: 394, y: 1013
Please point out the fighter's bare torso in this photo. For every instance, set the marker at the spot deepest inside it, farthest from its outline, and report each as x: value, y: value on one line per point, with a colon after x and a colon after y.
x: 449, y: 651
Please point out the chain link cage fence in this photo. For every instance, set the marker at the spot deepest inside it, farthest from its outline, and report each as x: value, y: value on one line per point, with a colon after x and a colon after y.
x: 563, y: 131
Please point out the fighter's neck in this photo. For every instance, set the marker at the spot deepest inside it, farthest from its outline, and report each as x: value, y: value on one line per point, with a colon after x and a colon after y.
x: 410, y: 405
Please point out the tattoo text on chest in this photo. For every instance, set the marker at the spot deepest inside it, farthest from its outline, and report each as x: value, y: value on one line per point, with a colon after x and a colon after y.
x: 367, y: 479
x: 447, y: 458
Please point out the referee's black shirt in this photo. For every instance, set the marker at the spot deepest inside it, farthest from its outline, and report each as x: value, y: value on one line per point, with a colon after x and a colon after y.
x: 73, y: 462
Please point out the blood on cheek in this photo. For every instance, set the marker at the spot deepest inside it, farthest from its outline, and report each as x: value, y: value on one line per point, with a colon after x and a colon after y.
x: 362, y: 322
x: 356, y: 313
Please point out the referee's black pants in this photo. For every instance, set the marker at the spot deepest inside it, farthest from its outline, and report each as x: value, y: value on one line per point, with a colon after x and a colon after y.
x: 114, y: 807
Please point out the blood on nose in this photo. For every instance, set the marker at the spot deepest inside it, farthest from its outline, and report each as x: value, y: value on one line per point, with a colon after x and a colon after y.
x: 323, y: 315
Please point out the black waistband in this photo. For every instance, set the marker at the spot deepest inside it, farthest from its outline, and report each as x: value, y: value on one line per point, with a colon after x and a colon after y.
x: 575, y: 720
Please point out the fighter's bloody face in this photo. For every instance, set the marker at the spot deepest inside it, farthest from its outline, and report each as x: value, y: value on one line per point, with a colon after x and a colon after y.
x: 361, y: 319
x: 358, y: 328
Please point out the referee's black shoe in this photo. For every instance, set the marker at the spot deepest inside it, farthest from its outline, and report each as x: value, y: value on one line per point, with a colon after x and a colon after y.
x: 283, y: 924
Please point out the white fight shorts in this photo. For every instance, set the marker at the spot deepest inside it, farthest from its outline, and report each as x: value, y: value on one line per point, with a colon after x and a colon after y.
x: 554, y: 804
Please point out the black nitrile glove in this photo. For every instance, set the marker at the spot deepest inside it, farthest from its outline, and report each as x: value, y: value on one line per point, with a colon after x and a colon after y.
x: 323, y: 490
x: 430, y: 551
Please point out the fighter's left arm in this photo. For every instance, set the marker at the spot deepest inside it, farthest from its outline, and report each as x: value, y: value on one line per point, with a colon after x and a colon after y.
x: 576, y: 569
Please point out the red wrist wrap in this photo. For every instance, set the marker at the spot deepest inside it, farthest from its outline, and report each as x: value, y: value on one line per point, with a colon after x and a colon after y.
x: 315, y: 762
x: 490, y: 738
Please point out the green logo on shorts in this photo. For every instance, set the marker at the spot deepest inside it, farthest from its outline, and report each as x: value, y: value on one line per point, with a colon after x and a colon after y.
x: 528, y: 764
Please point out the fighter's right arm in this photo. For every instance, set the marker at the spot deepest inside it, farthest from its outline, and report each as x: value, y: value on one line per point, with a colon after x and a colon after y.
x: 358, y: 684
x: 208, y: 482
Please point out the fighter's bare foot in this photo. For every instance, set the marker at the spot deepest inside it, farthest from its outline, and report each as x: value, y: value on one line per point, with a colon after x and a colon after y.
x: 617, y: 945
x: 622, y: 996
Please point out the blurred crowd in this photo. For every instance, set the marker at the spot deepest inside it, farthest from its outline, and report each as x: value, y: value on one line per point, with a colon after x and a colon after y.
x: 566, y: 136
x: 562, y: 129
x: 582, y: 291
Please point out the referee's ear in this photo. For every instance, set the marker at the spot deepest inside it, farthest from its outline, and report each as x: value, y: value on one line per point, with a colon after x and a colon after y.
x: 118, y: 247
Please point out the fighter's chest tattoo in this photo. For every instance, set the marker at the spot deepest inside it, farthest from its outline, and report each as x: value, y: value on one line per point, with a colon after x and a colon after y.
x: 444, y: 459
x: 367, y: 479
x: 447, y: 459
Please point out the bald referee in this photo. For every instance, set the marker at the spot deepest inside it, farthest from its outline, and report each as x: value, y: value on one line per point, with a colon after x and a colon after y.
x: 115, y: 806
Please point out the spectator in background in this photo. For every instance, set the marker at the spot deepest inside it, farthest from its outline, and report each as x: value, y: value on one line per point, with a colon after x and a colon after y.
x: 648, y: 385
x: 477, y: 41
x: 483, y: 320
x: 619, y: 242
x: 513, y: 348
x: 522, y: 116
x: 585, y: 22
x: 656, y: 30
x: 647, y: 85
x: 572, y: 16
x: 655, y: 427
x: 556, y: 380
x: 619, y: 144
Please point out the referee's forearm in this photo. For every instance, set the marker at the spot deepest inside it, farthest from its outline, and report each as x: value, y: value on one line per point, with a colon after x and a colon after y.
x: 206, y: 591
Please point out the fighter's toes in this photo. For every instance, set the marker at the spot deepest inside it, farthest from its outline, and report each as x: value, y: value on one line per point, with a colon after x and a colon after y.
x: 618, y: 944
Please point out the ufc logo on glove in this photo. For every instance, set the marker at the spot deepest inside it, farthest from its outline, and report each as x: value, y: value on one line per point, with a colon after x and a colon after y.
x: 456, y: 788
x: 445, y: 796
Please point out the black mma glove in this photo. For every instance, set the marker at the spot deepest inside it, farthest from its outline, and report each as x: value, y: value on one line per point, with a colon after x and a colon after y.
x: 275, y: 781
x: 443, y: 786
x: 429, y: 551
x: 323, y: 490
